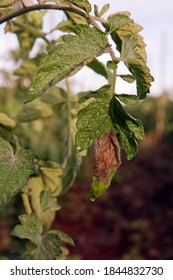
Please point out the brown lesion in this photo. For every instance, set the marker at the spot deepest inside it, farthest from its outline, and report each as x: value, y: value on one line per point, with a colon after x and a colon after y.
x: 107, y: 156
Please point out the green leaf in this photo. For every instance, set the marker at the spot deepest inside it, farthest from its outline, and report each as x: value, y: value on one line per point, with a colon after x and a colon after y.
x: 142, y: 75
x: 96, y: 10
x: 83, y: 4
x: 111, y: 64
x: 65, y: 59
x: 130, y: 145
x: 16, y: 165
x: 48, y: 248
x: 127, y: 78
x: 98, y: 67
x: 30, y: 228
x: 136, y: 127
x: 93, y: 120
x: 129, y: 99
x: 130, y: 124
x: 6, y: 121
x: 64, y: 237
x: 129, y: 128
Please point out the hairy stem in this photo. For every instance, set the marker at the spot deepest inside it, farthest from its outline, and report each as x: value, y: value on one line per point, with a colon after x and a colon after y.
x: 69, y: 8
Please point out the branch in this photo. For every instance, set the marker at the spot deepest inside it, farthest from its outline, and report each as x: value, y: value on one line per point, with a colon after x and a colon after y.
x: 36, y: 7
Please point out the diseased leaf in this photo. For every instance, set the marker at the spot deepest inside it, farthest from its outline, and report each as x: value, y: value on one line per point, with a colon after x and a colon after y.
x: 131, y: 46
x: 93, y: 120
x: 117, y: 20
x: 48, y: 248
x: 75, y: 19
x: 65, y: 59
x: 30, y: 228
x: 83, y: 4
x: 106, y: 161
x: 16, y: 165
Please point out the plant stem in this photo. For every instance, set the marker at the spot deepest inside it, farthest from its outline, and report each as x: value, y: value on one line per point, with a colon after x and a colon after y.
x: 116, y: 59
x: 26, y: 204
x: 69, y: 8
x: 114, y: 79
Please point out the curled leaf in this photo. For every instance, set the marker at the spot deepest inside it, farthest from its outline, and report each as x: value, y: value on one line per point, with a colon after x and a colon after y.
x: 107, y: 160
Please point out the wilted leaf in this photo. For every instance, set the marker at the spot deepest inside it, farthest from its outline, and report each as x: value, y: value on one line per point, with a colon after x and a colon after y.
x: 65, y: 59
x: 30, y: 228
x: 16, y: 165
x: 107, y: 159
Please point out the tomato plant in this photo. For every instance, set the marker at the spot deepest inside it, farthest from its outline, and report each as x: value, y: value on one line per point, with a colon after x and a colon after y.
x: 96, y: 118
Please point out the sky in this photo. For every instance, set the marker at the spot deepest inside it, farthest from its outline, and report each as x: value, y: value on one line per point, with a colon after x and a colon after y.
x: 156, y: 18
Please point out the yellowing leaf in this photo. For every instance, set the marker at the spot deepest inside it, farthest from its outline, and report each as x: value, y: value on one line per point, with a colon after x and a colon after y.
x: 6, y: 121
x: 83, y: 4
x: 16, y: 165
